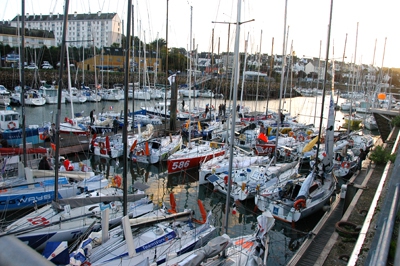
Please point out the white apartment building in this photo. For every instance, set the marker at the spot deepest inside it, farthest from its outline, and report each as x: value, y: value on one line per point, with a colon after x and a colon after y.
x: 83, y: 29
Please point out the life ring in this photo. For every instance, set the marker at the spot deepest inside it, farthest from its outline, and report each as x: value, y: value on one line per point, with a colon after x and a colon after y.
x: 42, y: 136
x: 301, y: 138
x: 11, y: 125
x: 346, y: 165
x: 299, y: 204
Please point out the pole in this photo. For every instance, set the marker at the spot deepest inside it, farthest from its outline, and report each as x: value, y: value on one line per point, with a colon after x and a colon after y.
x: 324, y: 85
x: 58, y: 114
x: 235, y: 87
x: 125, y: 128
x: 166, y: 72
x: 22, y: 57
x: 282, y: 78
x: 269, y: 75
x: 133, y: 68
x: 259, y: 65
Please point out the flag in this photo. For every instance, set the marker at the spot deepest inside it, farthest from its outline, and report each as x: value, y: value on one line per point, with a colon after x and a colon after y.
x: 171, y: 79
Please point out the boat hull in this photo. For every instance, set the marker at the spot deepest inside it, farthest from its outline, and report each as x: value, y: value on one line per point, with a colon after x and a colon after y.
x: 180, y: 164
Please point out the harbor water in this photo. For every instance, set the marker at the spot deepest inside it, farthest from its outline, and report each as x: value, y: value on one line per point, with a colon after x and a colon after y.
x: 284, y: 239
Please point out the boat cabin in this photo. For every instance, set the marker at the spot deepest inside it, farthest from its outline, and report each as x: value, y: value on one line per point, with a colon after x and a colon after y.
x: 9, y: 120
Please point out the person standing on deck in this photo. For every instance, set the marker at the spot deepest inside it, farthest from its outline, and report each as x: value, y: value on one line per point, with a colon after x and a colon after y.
x: 115, y: 125
x: 92, y: 116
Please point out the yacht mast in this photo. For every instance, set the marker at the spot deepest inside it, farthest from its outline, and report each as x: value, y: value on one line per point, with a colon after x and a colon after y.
x: 58, y: 114
x: 235, y: 88
x: 125, y: 128
x: 22, y: 77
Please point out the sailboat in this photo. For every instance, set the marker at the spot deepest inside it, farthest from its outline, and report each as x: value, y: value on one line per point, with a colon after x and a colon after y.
x: 297, y: 198
x: 244, y: 250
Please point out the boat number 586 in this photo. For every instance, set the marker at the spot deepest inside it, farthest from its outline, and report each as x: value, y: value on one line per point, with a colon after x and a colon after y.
x: 180, y: 165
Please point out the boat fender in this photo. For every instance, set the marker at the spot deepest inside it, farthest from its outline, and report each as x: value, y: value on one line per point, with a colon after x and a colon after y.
x: 301, y: 138
x: 299, y: 204
x: 226, y: 180
x: 118, y: 180
x: 11, y: 125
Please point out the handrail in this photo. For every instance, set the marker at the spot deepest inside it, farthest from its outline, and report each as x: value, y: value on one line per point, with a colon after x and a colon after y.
x: 381, y: 255
x: 378, y: 249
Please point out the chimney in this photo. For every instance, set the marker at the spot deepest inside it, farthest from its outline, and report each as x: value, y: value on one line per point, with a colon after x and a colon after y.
x: 27, y: 15
x: 98, y: 13
x: 41, y: 16
x: 34, y: 16
x: 75, y: 14
x: 58, y: 15
x: 51, y: 14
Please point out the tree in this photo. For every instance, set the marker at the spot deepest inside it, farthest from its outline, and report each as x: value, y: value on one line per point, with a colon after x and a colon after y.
x: 115, y: 45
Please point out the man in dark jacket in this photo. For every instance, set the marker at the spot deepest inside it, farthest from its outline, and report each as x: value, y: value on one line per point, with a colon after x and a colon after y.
x: 361, y: 158
x: 44, y: 164
x: 115, y: 125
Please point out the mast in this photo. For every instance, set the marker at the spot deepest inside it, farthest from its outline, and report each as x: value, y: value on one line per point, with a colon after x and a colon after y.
x: 244, y: 69
x: 324, y: 85
x: 319, y: 70
x: 235, y: 88
x: 190, y: 72
x: 125, y: 128
x: 22, y: 77
x: 69, y: 84
x: 282, y: 77
x: 269, y: 75
x: 133, y: 68
x: 166, y: 73
x: 352, y: 83
x: 259, y: 65
x: 58, y: 114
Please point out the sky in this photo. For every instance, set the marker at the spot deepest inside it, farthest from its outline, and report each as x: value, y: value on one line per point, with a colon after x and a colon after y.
x: 371, y: 27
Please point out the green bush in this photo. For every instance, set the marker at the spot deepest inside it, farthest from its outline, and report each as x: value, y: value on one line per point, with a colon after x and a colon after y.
x: 396, y: 121
x: 380, y: 156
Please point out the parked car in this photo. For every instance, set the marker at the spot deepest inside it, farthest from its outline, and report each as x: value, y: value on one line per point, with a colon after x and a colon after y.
x: 47, y: 66
x: 31, y: 66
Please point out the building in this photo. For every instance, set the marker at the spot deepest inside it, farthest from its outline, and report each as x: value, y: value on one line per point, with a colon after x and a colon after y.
x: 33, y: 38
x: 113, y: 59
x: 83, y: 29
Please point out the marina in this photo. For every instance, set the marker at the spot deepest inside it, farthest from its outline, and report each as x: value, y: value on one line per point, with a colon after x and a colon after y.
x: 218, y: 166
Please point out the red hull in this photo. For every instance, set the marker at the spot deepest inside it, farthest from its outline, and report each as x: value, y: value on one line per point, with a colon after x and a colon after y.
x: 265, y: 149
x: 18, y: 151
x: 180, y: 164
